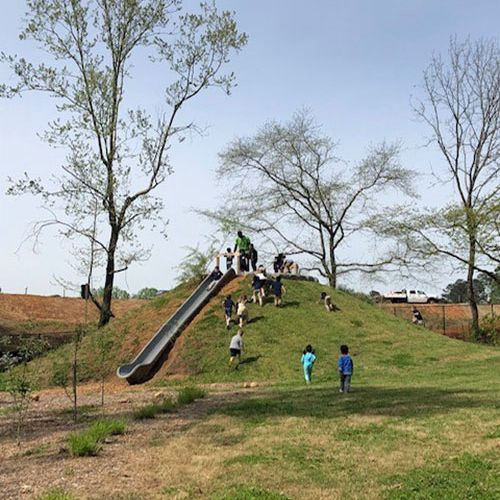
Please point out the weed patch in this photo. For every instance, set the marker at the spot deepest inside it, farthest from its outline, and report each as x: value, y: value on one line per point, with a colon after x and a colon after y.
x: 249, y: 493
x: 402, y: 360
x: 189, y: 394
x: 250, y: 460
x: 495, y: 434
x: 465, y: 477
x: 150, y: 411
x: 83, y: 445
x: 56, y: 494
x: 88, y: 443
x: 37, y: 450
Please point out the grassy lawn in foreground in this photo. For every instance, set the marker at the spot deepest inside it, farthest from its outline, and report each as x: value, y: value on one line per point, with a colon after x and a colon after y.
x: 377, y: 442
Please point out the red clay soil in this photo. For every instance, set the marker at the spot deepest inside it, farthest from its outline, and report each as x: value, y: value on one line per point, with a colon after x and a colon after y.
x: 69, y: 310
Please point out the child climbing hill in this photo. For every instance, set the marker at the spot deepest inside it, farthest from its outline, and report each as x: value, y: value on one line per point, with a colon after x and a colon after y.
x: 307, y: 360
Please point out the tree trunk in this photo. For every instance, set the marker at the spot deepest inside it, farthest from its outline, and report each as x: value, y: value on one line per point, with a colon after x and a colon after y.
x: 471, y: 294
x: 332, y: 272
x: 106, y: 312
x: 332, y: 279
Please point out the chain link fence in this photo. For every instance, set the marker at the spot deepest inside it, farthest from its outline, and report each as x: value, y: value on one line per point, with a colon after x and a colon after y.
x: 452, y: 320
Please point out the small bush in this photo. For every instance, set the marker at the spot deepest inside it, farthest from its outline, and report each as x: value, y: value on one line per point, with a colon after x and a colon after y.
x: 190, y: 394
x: 490, y: 330
x: 83, y: 445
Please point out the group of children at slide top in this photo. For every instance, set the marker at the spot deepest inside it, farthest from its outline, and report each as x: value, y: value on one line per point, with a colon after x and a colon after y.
x: 260, y: 282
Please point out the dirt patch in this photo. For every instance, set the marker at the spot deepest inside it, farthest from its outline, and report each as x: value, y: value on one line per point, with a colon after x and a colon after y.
x: 125, y: 463
x: 68, y: 310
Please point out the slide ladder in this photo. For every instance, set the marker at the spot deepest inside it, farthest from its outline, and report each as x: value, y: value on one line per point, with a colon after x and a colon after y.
x: 155, y: 352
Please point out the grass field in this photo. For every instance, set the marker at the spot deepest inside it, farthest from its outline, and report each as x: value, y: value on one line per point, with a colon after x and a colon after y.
x: 422, y: 422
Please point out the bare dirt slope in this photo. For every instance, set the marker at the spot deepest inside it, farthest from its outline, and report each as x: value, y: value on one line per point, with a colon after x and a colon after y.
x: 70, y: 310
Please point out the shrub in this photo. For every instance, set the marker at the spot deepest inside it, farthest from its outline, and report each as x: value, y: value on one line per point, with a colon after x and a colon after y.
x: 490, y: 329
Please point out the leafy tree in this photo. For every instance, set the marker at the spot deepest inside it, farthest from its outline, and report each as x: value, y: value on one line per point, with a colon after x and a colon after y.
x: 461, y: 108
x: 492, y: 286
x: 146, y: 293
x: 195, y: 264
x: 118, y: 153
x: 457, y: 292
x: 288, y: 186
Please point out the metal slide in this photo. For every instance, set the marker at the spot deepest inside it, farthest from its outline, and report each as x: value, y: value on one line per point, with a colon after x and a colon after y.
x: 155, y: 352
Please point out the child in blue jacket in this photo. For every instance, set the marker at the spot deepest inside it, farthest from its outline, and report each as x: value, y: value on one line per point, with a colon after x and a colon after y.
x: 308, y: 359
x: 346, y: 369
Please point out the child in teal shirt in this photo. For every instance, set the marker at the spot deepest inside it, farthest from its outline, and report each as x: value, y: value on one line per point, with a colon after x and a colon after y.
x: 308, y: 359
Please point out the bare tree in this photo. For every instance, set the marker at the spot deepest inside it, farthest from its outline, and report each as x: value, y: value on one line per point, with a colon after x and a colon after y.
x: 117, y: 154
x: 461, y: 107
x: 287, y: 185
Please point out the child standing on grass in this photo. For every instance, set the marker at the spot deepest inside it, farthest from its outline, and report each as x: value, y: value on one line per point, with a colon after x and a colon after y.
x: 346, y: 369
x: 236, y: 347
x: 308, y: 359
x: 229, y: 306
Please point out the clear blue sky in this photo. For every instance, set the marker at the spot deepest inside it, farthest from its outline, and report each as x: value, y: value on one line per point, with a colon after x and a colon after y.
x: 354, y: 64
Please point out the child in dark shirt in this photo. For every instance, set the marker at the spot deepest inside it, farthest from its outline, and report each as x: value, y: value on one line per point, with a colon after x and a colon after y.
x: 257, y: 285
x: 229, y: 307
x: 278, y: 290
x: 346, y: 369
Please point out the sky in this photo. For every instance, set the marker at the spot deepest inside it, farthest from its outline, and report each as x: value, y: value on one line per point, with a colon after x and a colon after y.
x: 355, y: 65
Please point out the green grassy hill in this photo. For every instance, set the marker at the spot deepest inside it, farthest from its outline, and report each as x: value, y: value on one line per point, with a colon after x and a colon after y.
x: 384, y: 348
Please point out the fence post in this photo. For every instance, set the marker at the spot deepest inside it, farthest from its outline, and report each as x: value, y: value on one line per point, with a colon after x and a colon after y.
x: 444, y: 320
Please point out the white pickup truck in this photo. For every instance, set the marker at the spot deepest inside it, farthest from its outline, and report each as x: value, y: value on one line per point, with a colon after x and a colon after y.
x: 409, y: 296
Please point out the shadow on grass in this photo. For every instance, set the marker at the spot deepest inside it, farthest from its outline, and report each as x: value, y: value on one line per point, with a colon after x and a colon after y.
x: 328, y: 403
x: 254, y: 319
x: 250, y: 359
x: 291, y: 303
